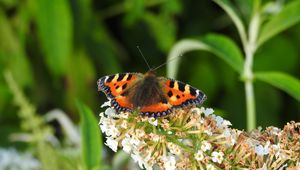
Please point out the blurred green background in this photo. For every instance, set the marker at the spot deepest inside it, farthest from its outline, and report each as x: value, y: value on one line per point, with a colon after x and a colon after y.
x: 58, y: 49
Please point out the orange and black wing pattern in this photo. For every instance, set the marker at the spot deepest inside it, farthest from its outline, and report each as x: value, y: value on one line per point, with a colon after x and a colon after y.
x: 115, y: 87
x: 176, y: 95
x: 181, y: 95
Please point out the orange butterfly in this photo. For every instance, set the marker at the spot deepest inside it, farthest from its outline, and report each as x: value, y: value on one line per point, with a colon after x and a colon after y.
x: 150, y: 95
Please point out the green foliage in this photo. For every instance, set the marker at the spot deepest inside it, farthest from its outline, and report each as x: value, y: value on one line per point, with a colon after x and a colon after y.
x: 91, y: 143
x: 228, y: 7
x: 286, y: 18
x: 220, y: 45
x: 282, y: 81
x: 251, y: 39
x: 226, y: 49
x: 54, y: 22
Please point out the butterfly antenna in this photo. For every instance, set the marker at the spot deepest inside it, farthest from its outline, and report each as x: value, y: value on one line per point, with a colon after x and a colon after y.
x: 171, y: 59
x: 143, y: 57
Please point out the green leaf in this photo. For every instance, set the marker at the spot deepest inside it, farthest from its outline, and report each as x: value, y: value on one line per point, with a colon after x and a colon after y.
x: 54, y: 23
x: 228, y: 8
x: 91, y: 139
x: 287, y: 17
x: 219, y: 45
x: 282, y: 81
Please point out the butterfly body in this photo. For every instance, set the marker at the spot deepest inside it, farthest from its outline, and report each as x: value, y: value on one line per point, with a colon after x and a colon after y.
x: 148, y: 94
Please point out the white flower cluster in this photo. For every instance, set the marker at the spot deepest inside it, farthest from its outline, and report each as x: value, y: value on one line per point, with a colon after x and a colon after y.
x: 133, y: 141
x: 11, y: 159
x: 192, y: 138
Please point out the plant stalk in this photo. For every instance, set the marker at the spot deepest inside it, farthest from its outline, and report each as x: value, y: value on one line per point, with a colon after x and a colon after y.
x: 249, y: 91
x: 250, y: 48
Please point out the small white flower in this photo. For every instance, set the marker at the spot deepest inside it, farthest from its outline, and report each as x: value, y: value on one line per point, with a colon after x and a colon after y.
x: 205, y: 146
x: 210, y: 167
x: 110, y: 112
x: 208, y: 111
x: 127, y: 147
x: 105, y: 124
x: 219, y: 120
x: 199, y: 155
x: 152, y: 121
x: 170, y: 163
x: 105, y: 104
x: 112, y: 144
x: 261, y: 151
x: 221, y: 123
x: 217, y: 157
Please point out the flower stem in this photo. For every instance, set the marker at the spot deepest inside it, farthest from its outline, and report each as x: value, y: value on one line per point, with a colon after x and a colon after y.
x: 250, y: 102
x: 250, y: 48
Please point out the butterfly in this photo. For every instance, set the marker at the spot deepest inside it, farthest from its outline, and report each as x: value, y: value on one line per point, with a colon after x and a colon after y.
x: 148, y: 94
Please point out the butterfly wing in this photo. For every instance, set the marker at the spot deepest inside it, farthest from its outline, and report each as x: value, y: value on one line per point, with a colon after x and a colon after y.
x: 180, y: 94
x: 116, y: 88
x: 176, y: 95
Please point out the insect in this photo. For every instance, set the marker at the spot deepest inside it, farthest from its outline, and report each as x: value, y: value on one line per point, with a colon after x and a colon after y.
x: 148, y: 94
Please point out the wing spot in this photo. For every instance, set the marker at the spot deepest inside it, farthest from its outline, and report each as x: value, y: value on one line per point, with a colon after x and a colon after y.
x: 177, y: 96
x: 170, y: 94
x: 124, y: 86
x: 117, y: 87
x: 171, y: 84
x: 181, y: 86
